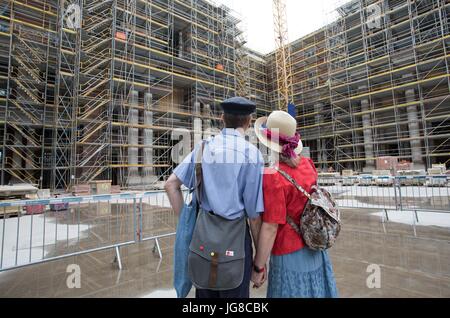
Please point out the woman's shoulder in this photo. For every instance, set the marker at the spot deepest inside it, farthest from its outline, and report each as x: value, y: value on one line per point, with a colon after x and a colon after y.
x: 307, y: 162
x: 271, y: 176
x: 270, y: 173
x: 313, y: 165
x: 305, y: 166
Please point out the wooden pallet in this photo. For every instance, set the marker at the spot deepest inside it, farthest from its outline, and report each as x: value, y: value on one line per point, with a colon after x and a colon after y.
x: 436, y: 185
x: 9, y: 213
x: 81, y: 190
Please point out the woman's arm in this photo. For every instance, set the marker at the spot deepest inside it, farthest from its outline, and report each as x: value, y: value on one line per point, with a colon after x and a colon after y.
x: 173, y: 190
x: 267, y: 236
x: 255, y: 227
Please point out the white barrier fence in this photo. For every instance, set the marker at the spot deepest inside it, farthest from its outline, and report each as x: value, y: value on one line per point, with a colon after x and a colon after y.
x: 392, y: 193
x: 36, y: 231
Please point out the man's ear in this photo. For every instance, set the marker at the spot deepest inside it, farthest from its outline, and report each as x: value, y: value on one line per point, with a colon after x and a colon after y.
x: 222, y: 118
x: 249, y: 121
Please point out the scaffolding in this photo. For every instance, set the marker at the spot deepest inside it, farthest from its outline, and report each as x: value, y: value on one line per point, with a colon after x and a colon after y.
x: 94, y: 89
x: 255, y: 67
x: 375, y: 82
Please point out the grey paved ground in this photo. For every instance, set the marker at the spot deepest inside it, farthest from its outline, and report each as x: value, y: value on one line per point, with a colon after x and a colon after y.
x: 410, y: 266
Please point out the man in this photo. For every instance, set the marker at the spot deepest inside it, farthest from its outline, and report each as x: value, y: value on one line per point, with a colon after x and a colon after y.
x: 232, y: 182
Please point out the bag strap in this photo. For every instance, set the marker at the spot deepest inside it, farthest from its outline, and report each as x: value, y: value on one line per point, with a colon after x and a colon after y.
x: 289, y: 220
x: 199, y: 173
x: 288, y: 177
x: 291, y: 180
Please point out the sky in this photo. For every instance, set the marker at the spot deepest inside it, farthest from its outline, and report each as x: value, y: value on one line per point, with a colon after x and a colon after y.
x: 304, y: 17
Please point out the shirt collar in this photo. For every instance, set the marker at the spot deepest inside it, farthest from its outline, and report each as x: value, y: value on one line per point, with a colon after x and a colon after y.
x: 231, y: 132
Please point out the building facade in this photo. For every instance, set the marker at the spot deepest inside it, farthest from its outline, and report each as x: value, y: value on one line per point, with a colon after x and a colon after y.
x: 95, y: 89
x: 375, y: 83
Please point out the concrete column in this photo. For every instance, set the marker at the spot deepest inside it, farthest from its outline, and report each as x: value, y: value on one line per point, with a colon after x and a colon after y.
x: 197, y: 109
x: 414, y: 132
x: 208, y: 123
x: 367, y: 133
x: 148, y: 175
x: 197, y: 126
x: 180, y: 44
x: 133, y: 139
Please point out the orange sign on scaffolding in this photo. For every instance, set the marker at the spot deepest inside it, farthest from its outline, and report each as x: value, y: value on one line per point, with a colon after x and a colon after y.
x: 121, y: 35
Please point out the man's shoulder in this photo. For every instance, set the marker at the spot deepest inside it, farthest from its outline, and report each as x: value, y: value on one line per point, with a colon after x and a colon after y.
x: 253, y: 151
x: 252, y: 147
x: 243, y: 148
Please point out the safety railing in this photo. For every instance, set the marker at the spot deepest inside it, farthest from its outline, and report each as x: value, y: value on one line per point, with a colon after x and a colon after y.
x: 37, y: 231
x: 414, y: 200
x: 414, y: 193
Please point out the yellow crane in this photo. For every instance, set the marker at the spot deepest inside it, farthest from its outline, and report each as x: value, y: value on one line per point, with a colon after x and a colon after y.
x: 282, y: 55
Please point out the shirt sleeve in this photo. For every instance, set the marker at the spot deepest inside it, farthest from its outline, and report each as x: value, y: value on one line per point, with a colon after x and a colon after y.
x: 253, y: 191
x: 274, y: 200
x: 185, y: 171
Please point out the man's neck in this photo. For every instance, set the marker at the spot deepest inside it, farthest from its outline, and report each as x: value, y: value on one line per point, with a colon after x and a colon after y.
x: 241, y: 131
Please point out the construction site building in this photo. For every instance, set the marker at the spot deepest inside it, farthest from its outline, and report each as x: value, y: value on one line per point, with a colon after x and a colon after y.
x: 102, y: 90
x: 96, y: 89
x: 374, y: 82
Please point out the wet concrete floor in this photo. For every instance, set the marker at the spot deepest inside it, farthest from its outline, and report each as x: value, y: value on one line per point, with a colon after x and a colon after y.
x: 411, y: 266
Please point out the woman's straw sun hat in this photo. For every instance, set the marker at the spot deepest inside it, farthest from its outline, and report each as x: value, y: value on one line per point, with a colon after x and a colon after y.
x: 279, y: 123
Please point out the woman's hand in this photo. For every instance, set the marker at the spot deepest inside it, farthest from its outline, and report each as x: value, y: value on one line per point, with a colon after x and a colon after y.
x: 259, y: 279
x: 266, y: 239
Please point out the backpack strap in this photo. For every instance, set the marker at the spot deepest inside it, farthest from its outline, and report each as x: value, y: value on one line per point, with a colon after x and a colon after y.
x: 289, y: 220
x: 291, y: 180
x: 199, y: 173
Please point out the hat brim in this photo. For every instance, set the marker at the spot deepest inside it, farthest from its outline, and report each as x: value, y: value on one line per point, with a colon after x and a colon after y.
x: 259, y: 125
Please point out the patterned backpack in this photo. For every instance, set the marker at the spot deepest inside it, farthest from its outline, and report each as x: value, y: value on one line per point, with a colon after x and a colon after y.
x: 320, y: 222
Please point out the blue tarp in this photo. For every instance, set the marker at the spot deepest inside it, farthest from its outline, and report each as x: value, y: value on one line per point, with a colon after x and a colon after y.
x: 292, y: 110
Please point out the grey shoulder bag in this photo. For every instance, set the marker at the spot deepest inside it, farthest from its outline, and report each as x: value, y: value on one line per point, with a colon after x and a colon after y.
x: 217, y: 251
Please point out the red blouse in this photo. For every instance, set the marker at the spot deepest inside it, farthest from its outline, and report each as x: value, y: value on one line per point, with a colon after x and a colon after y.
x: 281, y: 198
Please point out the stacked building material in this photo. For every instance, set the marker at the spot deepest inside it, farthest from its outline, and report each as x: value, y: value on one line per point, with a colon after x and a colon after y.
x: 387, y: 163
x: 81, y: 190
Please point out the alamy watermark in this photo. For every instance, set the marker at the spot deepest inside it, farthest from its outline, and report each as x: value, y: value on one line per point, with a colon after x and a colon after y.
x: 72, y: 16
x: 373, y: 281
x: 374, y: 16
x: 186, y: 139
x: 73, y: 281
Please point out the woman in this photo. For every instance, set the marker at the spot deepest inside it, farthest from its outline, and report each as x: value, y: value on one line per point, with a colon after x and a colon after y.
x: 295, y: 270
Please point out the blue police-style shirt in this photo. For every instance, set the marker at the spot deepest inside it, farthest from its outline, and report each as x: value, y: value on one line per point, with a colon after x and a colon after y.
x: 232, y: 176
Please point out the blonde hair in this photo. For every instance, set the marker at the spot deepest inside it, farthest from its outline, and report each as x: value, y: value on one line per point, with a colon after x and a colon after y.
x: 291, y: 162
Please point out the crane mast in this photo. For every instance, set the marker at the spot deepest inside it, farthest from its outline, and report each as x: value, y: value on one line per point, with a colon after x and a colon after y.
x: 282, y: 55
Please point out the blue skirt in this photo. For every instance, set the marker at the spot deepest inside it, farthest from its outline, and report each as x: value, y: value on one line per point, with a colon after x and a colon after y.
x: 302, y: 274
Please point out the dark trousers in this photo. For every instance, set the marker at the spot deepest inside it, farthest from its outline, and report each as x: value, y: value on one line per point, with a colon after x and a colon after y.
x: 243, y: 291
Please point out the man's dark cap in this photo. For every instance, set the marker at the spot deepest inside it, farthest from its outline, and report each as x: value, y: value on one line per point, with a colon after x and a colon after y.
x: 238, y: 106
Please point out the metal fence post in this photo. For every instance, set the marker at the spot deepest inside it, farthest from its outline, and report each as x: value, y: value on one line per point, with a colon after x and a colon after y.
x: 399, y: 187
x: 117, y: 258
x: 157, y: 248
x: 141, y: 217
x: 386, y: 215
x: 134, y: 219
x: 414, y: 224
